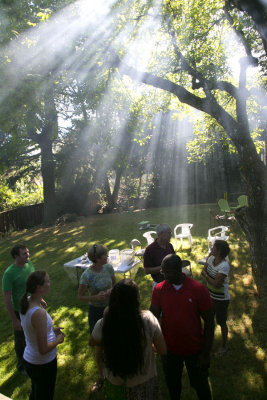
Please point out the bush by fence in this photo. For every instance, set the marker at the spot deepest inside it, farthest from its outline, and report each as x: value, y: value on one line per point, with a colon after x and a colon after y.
x: 21, y: 218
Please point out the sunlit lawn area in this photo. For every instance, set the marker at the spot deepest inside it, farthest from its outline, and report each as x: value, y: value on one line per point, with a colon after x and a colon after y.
x: 240, y: 374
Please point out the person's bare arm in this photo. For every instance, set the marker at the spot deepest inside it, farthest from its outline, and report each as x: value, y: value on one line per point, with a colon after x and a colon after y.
x: 156, y: 310
x: 159, y: 345
x: 94, y: 342
x: 8, y: 304
x: 43, y: 303
x: 113, y: 280
x: 217, y: 282
x: 113, y: 283
x: 205, y: 268
x: 204, y: 356
x: 152, y: 270
x: 39, y: 322
x: 101, y: 296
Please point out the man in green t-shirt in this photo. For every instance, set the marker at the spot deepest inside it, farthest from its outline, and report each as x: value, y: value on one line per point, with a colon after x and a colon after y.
x: 13, y: 286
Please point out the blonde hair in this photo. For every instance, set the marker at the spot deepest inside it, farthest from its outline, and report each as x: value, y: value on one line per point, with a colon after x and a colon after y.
x: 96, y: 251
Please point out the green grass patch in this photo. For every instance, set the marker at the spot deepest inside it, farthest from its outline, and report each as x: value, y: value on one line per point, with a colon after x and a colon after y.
x: 239, y: 375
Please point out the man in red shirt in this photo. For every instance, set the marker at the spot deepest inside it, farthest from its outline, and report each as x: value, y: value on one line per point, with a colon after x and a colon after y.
x: 182, y: 302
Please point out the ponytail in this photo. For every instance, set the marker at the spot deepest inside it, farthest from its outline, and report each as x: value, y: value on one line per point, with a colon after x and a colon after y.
x: 36, y: 278
x: 24, y: 303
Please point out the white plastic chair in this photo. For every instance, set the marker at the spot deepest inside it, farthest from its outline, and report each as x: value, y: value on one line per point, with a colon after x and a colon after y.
x: 186, y: 268
x: 217, y: 233
x: 148, y: 235
x: 136, y: 246
x: 183, y: 231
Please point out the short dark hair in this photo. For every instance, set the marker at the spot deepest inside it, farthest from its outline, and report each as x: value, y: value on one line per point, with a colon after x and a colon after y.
x: 162, y: 228
x: 172, y: 261
x: 222, y: 247
x: 15, y: 250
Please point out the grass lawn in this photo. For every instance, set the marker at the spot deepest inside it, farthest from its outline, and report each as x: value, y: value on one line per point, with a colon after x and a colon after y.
x: 240, y: 375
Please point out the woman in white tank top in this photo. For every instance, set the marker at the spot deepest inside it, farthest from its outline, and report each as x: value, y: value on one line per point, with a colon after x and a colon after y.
x: 39, y: 356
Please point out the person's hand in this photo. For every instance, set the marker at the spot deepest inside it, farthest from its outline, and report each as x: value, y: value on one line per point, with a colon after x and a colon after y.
x: 57, y: 331
x: 108, y: 292
x: 43, y: 303
x: 17, y: 325
x: 101, y: 296
x: 204, y: 273
x: 60, y: 338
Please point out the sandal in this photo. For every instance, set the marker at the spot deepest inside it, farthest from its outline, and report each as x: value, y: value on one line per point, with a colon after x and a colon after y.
x: 97, y: 385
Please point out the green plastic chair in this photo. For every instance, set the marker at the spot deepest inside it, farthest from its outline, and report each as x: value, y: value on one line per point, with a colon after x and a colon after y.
x: 242, y: 201
x: 224, y: 206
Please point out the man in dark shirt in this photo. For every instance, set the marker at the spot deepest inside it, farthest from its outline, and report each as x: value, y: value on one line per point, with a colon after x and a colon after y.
x: 156, y: 251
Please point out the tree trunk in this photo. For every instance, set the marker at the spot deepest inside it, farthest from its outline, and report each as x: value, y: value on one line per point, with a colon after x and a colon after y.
x: 253, y: 219
x: 48, y: 175
x: 108, y: 193
x: 116, y: 189
x: 112, y: 198
x: 45, y: 140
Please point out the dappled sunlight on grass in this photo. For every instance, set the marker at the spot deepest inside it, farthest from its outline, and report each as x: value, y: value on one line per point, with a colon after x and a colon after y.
x: 7, y: 364
x: 242, y: 371
x: 261, y: 355
x: 254, y: 381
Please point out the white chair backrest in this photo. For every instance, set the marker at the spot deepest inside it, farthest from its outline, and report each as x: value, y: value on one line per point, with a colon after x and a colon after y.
x: 218, y: 231
x: 148, y: 235
x: 135, y: 243
x: 185, y: 229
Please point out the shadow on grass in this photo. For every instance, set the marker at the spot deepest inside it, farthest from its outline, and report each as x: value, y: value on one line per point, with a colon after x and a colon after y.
x: 239, y: 375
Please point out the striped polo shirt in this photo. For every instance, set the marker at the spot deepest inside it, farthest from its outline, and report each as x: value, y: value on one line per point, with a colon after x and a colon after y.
x: 212, y: 270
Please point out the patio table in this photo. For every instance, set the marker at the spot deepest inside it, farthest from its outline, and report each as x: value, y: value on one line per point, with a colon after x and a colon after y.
x: 75, y: 267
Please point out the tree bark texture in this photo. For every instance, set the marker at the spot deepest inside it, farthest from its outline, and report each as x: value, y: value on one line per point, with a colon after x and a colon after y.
x: 48, y: 175
x: 45, y: 140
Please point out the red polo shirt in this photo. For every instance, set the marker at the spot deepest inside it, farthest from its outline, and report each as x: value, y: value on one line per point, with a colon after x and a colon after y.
x: 181, y: 322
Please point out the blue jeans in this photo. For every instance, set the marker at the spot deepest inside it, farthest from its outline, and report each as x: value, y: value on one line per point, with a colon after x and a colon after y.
x: 173, y: 365
x: 94, y: 314
x: 43, y: 377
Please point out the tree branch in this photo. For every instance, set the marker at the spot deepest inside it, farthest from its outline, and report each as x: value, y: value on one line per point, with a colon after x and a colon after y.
x: 203, y: 104
x: 257, y: 10
x: 241, y: 36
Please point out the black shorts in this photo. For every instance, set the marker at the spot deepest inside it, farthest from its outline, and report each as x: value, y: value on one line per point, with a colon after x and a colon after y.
x: 220, y: 308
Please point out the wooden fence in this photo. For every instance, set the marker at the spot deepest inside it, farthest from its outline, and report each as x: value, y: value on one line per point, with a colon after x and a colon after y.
x: 21, y: 218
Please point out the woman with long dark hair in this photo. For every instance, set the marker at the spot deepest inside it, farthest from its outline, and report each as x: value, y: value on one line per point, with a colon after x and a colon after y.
x: 40, y: 354
x: 127, y: 335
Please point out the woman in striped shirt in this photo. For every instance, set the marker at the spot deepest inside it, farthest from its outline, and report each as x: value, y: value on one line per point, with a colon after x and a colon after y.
x: 216, y: 271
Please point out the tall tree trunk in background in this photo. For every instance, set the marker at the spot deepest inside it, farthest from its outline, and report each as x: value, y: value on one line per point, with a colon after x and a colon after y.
x: 108, y: 193
x: 48, y: 175
x: 112, y: 198
x: 45, y: 140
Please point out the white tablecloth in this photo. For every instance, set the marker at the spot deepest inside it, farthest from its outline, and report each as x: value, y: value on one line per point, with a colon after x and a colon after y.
x: 74, y: 266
